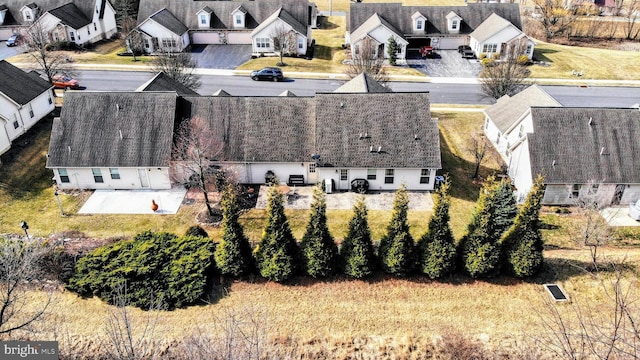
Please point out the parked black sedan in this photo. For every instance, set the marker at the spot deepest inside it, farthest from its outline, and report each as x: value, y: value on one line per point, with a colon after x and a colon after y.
x: 268, y: 73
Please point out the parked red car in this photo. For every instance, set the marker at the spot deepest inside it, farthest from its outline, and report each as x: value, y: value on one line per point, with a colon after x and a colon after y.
x: 65, y: 82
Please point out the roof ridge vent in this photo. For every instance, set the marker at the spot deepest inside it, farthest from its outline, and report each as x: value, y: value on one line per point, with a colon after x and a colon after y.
x: 379, y: 149
x: 602, y: 151
x: 590, y: 121
x: 371, y: 149
x: 553, y: 163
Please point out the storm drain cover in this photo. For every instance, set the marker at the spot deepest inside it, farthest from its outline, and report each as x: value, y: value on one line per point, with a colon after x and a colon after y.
x: 556, y: 292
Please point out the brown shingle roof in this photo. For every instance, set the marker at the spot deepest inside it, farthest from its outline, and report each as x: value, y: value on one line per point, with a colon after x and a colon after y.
x: 400, y: 16
x: 582, y: 145
x: 257, y: 11
x: 113, y: 129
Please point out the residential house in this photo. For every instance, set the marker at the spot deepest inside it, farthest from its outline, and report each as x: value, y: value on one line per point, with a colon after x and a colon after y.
x: 162, y: 82
x: 580, y: 152
x: 504, y: 125
x: 80, y: 22
x: 25, y: 98
x: 174, y: 25
x: 335, y: 137
x: 489, y: 29
x: 113, y: 140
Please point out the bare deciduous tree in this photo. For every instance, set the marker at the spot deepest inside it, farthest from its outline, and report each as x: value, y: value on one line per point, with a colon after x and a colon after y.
x: 179, y: 66
x: 366, y: 58
x: 130, y: 337
x: 19, y: 271
x: 507, y: 76
x: 195, y: 151
x: 594, y: 233
x: 37, y: 43
x: 555, y: 17
x: 477, y: 146
x: 238, y: 334
x: 631, y: 11
x: 284, y: 41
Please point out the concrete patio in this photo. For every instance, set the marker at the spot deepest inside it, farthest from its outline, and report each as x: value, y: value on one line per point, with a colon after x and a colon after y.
x: 618, y: 216
x: 134, y: 201
x: 345, y: 200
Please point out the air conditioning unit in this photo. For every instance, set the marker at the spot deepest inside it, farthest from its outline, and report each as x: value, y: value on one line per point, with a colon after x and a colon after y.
x: 328, y: 186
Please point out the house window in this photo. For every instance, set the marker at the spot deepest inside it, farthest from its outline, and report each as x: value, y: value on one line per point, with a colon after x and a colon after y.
x: 72, y: 36
x: 238, y: 19
x: 64, y: 175
x: 371, y: 174
x: 169, y: 43
x: 529, y: 49
x: 31, y: 111
x: 454, y: 24
x: 489, y: 48
x: 300, y: 43
x: 575, y: 191
x: 147, y: 44
x: 27, y: 15
x: 203, y: 19
x: 424, y: 176
x: 263, y: 43
x: 419, y: 24
x: 115, y: 174
x: 357, y: 50
x: 78, y: 36
x: 344, y: 174
x: 388, y: 176
x: 97, y: 175
x: 521, y: 131
x: 16, y: 124
x: 95, y: 27
x: 498, y: 139
x: 312, y: 167
x: 594, y: 188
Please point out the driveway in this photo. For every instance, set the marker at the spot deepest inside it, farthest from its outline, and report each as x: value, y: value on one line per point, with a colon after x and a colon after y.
x: 7, y: 52
x: 447, y: 63
x: 220, y: 56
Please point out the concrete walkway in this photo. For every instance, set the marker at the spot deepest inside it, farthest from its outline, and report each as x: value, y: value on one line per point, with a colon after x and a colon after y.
x: 618, y: 216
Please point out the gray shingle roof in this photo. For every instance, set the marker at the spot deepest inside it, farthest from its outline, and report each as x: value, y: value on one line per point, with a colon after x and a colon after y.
x: 71, y: 15
x: 507, y: 110
x: 362, y: 83
x: 13, y: 17
x: 257, y: 11
x: 113, y: 129
x: 399, y: 123
x: 284, y: 16
x: 490, y: 27
x: 165, y: 18
x: 162, y: 82
x: 582, y: 145
x: 19, y: 86
x: 400, y: 16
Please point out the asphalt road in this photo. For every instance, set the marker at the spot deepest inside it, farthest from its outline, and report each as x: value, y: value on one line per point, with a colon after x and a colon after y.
x: 440, y: 93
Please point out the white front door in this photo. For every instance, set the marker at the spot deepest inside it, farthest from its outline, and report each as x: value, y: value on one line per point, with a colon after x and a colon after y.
x: 312, y: 173
x: 144, y: 178
x: 344, y: 179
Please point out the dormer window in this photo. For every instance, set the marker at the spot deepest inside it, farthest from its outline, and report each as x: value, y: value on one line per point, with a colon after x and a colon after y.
x: 419, y: 22
x: 204, y: 17
x: 453, y: 22
x: 239, y: 17
x: 29, y: 12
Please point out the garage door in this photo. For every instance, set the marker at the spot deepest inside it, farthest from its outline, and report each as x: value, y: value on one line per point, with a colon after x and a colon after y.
x: 239, y: 38
x: 452, y: 43
x: 205, y: 38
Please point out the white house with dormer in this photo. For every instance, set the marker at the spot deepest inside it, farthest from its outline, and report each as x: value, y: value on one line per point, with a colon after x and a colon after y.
x: 79, y: 22
x: 254, y: 22
x: 441, y: 27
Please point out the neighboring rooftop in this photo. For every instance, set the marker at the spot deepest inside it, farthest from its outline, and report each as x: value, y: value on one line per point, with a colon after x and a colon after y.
x: 362, y: 83
x: 19, y: 86
x: 162, y: 82
x: 509, y: 109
